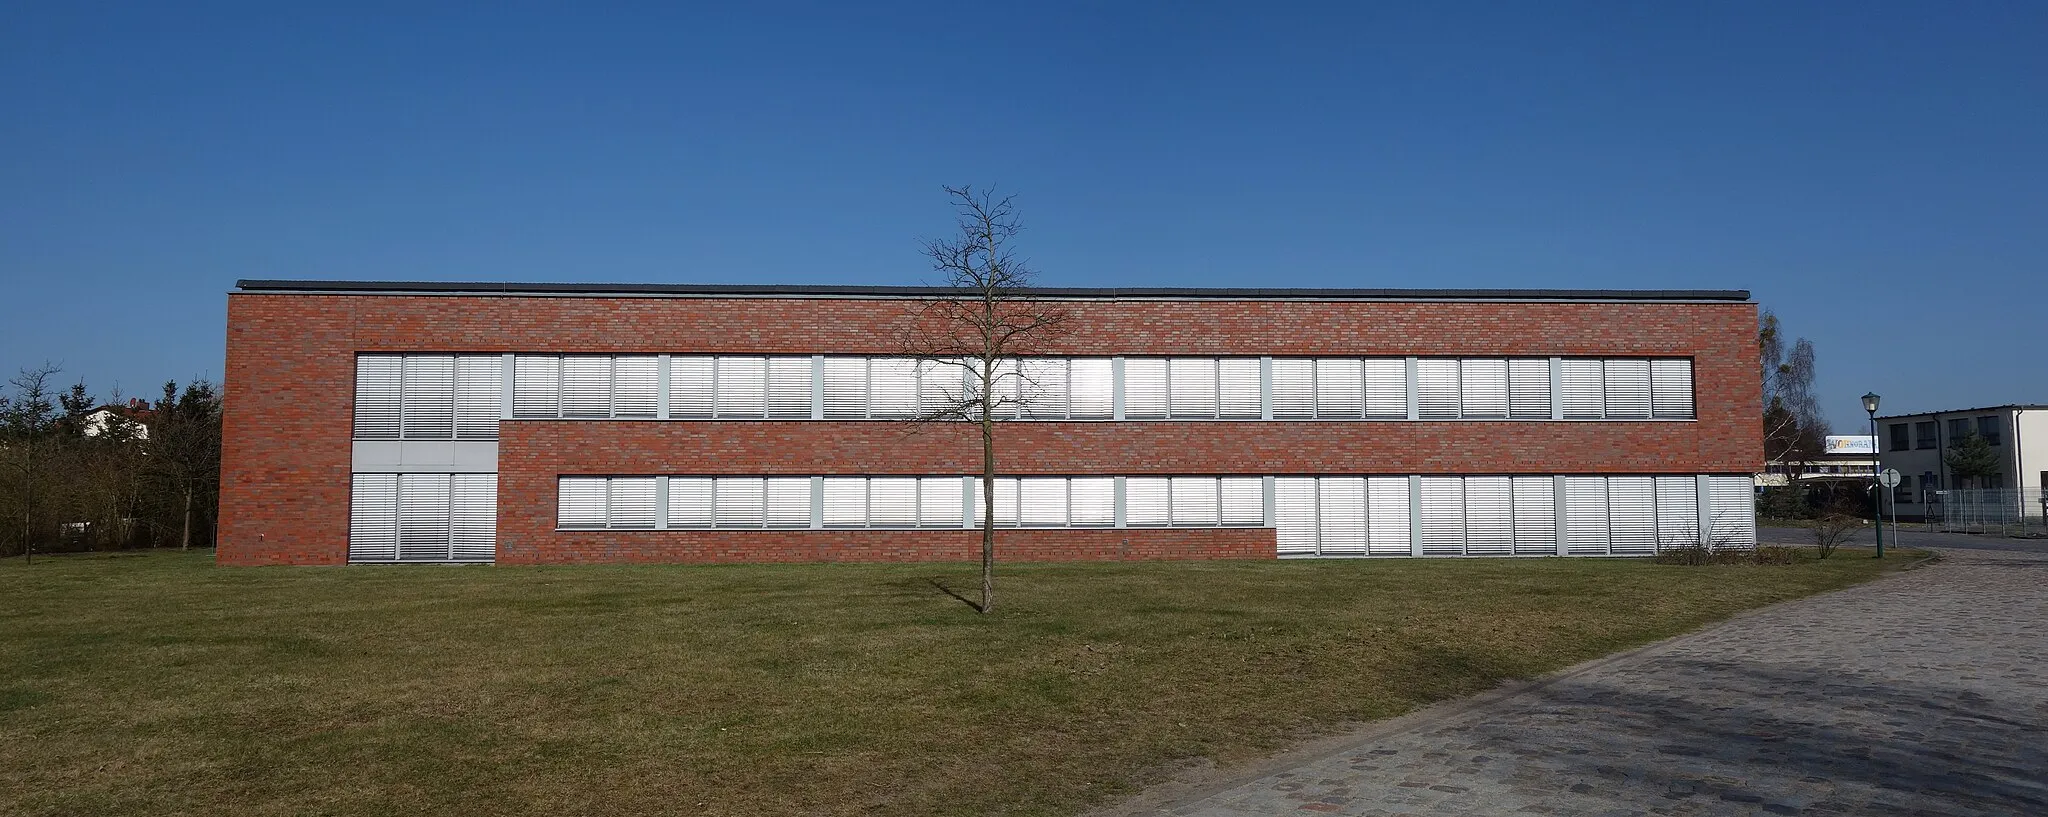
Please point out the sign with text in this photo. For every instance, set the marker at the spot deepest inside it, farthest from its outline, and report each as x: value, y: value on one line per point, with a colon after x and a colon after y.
x: 1851, y: 444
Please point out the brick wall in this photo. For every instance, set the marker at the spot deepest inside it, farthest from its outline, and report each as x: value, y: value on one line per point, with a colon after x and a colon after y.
x: 285, y: 474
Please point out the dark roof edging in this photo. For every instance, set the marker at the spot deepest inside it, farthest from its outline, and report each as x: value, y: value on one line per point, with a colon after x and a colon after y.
x: 1080, y: 293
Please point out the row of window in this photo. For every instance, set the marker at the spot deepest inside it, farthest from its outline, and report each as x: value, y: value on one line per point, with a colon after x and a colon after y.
x: 907, y: 502
x: 1314, y: 516
x: 1929, y: 432
x: 423, y: 518
x: 461, y: 396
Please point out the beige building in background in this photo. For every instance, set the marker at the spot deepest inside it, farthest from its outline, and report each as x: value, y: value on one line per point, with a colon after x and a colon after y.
x: 1915, y: 445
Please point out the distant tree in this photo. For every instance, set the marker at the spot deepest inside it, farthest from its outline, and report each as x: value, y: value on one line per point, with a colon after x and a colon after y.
x: 1795, y: 429
x: 184, y: 447
x: 29, y: 448
x: 986, y: 327
x: 1972, y: 458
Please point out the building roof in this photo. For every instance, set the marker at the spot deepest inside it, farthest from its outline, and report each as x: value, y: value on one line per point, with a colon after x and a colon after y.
x: 1074, y: 293
x: 2007, y: 407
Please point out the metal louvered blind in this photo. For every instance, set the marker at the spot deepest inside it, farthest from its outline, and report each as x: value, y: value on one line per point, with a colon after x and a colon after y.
x: 1443, y: 516
x: 1294, y: 515
x: 892, y: 502
x: 1341, y: 517
x: 1145, y: 388
x: 1043, y: 502
x: 1732, y: 505
x: 1340, y: 388
x: 789, y: 388
x: 580, y: 502
x: 741, y: 387
x: 479, y: 392
x: 630, y: 503
x: 1191, y: 384
x: 586, y: 386
x: 940, y: 386
x: 1489, y: 516
x: 1631, y: 516
x: 1294, y: 389
x: 636, y: 386
x: 373, y: 518
x: 1483, y: 388
x: 1387, y: 515
x: 1386, y: 388
x: 1147, y: 502
x: 892, y: 387
x: 1091, y: 502
x: 738, y: 502
x: 1585, y: 516
x: 938, y: 502
x: 1006, y: 502
x: 473, y: 517
x: 429, y: 401
x: 1671, y: 389
x: 1628, y: 389
x: 1529, y: 389
x: 1005, y: 391
x: 1436, y: 389
x: 690, y: 387
x: 1237, y: 388
x: 846, y: 502
x: 786, y: 502
x: 377, y: 397
x: 1194, y: 501
x: 1090, y: 383
x: 1042, y: 388
x: 1678, y: 512
x: 846, y: 388
x: 689, y: 502
x: 1243, y: 501
x: 423, y: 517
x: 1582, y: 391
x: 1535, y: 516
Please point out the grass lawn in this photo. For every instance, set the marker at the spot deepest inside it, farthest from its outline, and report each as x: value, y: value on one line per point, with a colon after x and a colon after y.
x: 155, y: 684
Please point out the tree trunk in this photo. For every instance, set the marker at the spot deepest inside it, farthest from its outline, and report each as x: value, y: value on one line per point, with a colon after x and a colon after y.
x: 185, y: 538
x: 988, y: 503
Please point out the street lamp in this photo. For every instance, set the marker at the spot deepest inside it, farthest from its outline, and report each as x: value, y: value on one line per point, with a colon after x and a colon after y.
x: 1876, y: 490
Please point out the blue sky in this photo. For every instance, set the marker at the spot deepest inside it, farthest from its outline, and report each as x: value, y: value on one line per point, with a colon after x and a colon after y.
x: 1874, y: 172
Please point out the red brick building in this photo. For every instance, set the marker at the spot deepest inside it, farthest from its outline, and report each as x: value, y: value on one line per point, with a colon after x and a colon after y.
x: 530, y: 423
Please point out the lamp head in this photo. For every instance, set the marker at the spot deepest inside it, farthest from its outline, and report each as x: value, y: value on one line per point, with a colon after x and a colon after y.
x: 1870, y: 402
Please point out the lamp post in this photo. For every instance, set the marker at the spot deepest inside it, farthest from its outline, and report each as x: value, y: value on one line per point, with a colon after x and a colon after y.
x: 1876, y: 490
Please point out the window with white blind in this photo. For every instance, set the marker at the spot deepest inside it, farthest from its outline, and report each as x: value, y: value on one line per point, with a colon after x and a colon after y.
x: 1529, y: 389
x: 1483, y: 388
x: 423, y: 518
x: 1627, y: 389
x: 1671, y: 389
x: 427, y: 397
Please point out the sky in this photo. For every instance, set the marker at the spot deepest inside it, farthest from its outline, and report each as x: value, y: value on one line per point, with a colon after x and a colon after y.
x: 1874, y: 172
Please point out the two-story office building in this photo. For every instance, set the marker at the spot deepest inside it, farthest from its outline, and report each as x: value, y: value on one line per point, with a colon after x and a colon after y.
x: 376, y: 422
x: 1917, y: 445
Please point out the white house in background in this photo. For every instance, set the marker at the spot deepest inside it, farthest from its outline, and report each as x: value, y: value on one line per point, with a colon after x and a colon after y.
x: 106, y: 417
x: 1915, y: 445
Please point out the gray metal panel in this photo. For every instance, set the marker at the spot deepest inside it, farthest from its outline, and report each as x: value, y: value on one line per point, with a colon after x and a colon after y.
x: 1414, y: 406
x: 1266, y: 395
x: 1414, y: 482
x: 424, y: 456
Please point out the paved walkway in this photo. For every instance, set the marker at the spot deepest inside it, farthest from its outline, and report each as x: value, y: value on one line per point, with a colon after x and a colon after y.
x: 1924, y: 693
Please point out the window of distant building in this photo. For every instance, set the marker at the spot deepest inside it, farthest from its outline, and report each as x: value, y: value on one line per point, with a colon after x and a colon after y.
x: 1989, y: 428
x: 1926, y: 433
x: 1902, y: 437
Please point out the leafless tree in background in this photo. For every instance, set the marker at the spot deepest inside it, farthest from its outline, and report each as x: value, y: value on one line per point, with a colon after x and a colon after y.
x: 991, y: 322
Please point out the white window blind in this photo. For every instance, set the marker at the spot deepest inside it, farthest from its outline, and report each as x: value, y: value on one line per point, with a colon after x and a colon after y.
x: 423, y: 517
x: 1732, y: 509
x: 938, y: 501
x: 1583, y: 394
x: 1678, y: 512
x: 1294, y: 512
x: 1443, y: 516
x: 690, y: 502
x: 580, y: 502
x: 377, y: 397
x: 1632, y: 516
x: 1436, y: 390
x: 373, y: 517
x: 479, y: 393
x: 1147, y: 502
x: 429, y: 397
x: 1483, y: 387
x: 846, y: 502
x: 1627, y: 383
x: 1090, y: 385
x: 630, y: 503
x: 786, y: 502
x: 1340, y: 388
x: 892, y: 502
x: 1341, y: 521
x: 941, y: 386
x: 1386, y: 388
x: 636, y: 386
x: 846, y: 388
x: 1294, y: 389
x: 473, y: 517
x: 1489, y: 516
x: 1585, y: 516
x: 741, y: 387
x: 1535, y: 516
x: 1529, y: 389
x: 1237, y: 388
x: 1042, y: 388
x: 1243, y: 501
x: 1044, y: 502
x: 739, y: 502
x: 789, y: 388
x: 1191, y: 384
x: 1145, y: 391
x: 1091, y: 501
x: 690, y: 387
x: 892, y: 388
x: 1194, y: 501
x: 586, y: 386
x: 1671, y: 389
x: 1387, y: 515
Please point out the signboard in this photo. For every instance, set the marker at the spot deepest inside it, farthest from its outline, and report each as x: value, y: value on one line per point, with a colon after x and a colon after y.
x: 1889, y: 479
x: 1857, y: 444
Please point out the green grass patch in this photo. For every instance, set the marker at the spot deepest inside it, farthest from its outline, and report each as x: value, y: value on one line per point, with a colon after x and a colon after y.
x: 162, y: 685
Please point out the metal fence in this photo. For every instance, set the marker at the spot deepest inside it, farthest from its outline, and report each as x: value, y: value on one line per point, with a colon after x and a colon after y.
x: 2004, y: 511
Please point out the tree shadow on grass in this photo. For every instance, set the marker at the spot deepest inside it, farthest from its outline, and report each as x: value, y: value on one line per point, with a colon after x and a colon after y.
x: 941, y: 585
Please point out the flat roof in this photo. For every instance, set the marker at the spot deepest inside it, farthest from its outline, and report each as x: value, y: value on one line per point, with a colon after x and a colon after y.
x: 2007, y: 407
x: 1075, y: 293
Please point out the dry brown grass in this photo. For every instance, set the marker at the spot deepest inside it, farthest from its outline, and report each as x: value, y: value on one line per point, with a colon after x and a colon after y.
x: 157, y: 684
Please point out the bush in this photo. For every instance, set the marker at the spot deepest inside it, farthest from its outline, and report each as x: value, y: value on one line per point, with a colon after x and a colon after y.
x: 1695, y: 555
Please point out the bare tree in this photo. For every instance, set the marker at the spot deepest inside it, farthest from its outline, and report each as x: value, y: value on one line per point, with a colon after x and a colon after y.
x: 1795, y: 429
x: 987, y: 323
